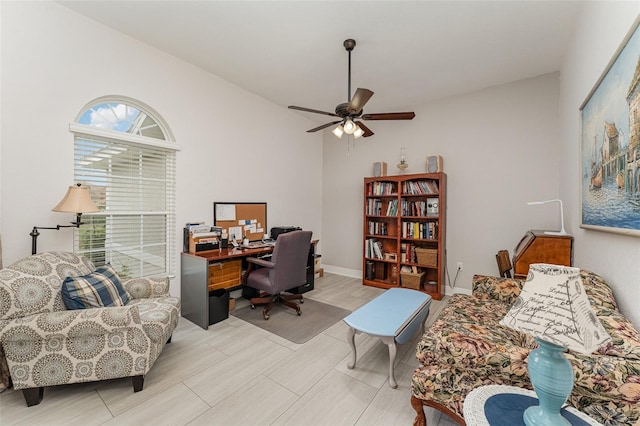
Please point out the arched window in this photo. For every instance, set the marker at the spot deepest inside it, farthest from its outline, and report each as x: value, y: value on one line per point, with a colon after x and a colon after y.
x: 125, y: 153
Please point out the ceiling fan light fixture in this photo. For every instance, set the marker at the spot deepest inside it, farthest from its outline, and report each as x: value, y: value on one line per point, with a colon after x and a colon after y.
x: 349, y: 126
x: 359, y: 132
x: 352, y: 109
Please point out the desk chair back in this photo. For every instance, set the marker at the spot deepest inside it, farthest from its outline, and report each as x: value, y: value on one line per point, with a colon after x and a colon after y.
x: 286, y: 270
x: 290, y: 258
x: 287, y: 267
x: 504, y: 263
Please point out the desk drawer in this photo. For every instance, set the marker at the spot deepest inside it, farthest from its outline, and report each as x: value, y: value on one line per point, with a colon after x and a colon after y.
x: 224, y: 274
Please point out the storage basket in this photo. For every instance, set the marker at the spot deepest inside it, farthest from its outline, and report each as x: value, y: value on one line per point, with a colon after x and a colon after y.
x: 411, y: 280
x: 427, y: 257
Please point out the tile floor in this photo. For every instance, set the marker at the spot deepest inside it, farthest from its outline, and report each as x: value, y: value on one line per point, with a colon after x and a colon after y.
x: 238, y: 374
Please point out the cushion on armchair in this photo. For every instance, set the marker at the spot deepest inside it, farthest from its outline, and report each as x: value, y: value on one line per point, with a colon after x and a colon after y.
x: 31, y: 285
x: 101, y: 288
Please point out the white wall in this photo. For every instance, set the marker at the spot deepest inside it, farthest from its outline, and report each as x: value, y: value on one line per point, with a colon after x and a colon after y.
x: 500, y: 149
x: 600, y: 31
x: 235, y: 145
x: 498, y: 145
x: 502, y: 146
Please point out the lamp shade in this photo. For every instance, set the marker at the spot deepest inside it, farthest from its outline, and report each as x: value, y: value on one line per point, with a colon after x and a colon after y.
x: 76, y: 200
x: 553, y: 306
x: 338, y: 131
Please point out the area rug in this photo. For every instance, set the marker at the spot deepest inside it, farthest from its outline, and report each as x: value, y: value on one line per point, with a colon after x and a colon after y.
x: 316, y: 317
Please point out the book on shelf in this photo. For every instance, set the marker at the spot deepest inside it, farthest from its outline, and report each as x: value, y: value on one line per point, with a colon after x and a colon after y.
x: 407, y: 252
x: 378, y: 249
x: 373, y: 249
x: 420, y: 230
x: 417, y: 208
x: 381, y: 188
x: 377, y: 228
x: 420, y: 187
x: 392, y: 208
x: 374, y: 207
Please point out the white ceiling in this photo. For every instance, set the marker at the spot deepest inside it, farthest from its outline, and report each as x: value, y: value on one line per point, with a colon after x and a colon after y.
x: 408, y: 52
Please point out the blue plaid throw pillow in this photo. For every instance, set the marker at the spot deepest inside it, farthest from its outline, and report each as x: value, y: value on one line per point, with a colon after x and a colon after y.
x: 101, y: 288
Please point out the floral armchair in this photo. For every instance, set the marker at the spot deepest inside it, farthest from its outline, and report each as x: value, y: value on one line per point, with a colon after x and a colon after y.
x: 44, y: 344
x: 466, y: 348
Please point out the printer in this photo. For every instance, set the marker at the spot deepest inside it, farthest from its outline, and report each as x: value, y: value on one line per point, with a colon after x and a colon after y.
x: 277, y: 230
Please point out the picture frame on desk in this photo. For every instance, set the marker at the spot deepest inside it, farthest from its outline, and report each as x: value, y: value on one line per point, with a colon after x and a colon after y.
x: 610, y: 144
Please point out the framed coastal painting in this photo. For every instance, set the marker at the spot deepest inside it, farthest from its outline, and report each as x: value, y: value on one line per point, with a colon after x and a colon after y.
x: 610, y: 144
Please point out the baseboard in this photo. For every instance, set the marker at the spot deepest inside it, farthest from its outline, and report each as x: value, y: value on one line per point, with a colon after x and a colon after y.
x: 352, y: 273
x: 455, y: 290
x: 355, y: 273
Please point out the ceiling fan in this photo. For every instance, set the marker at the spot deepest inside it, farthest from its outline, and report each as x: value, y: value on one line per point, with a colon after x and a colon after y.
x: 350, y: 112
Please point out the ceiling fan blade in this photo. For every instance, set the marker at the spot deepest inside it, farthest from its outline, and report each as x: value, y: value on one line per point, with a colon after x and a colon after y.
x: 389, y: 116
x: 367, y: 131
x: 313, y: 110
x: 324, y: 126
x: 360, y: 98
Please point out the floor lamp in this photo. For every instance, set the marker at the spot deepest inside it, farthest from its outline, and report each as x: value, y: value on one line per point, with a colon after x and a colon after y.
x: 77, y: 200
x: 553, y: 307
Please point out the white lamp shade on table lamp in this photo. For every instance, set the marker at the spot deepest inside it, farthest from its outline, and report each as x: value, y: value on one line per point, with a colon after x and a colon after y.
x: 553, y: 307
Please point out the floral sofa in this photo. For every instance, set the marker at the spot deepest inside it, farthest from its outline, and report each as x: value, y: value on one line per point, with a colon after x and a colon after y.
x: 466, y: 348
x: 42, y: 343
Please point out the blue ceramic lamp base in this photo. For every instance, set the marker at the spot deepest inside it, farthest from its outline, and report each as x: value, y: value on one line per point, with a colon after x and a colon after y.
x: 552, y: 378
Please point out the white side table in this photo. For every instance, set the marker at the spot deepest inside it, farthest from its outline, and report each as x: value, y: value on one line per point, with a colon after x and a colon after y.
x: 502, y: 405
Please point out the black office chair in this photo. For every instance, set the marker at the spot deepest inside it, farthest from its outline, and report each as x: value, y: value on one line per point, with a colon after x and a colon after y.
x: 287, y: 269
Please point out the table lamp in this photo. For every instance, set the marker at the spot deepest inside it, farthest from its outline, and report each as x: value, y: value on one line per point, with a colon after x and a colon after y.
x: 561, y: 231
x: 77, y: 200
x: 553, y: 307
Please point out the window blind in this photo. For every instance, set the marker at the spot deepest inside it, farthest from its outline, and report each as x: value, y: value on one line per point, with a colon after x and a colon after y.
x: 133, y: 184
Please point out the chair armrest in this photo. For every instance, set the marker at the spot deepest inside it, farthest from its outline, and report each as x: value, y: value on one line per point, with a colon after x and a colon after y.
x: 145, y: 288
x: 49, y: 325
x: 261, y: 262
x: 505, y: 290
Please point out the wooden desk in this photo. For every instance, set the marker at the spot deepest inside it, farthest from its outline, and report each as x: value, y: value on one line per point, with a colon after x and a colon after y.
x: 217, y: 270
x: 232, y: 253
x: 539, y: 247
x: 199, y: 274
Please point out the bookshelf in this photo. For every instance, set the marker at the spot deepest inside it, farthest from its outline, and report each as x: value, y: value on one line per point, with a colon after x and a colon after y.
x: 404, y: 232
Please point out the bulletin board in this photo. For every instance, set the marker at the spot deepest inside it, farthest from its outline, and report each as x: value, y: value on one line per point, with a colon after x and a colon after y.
x: 248, y: 219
